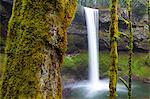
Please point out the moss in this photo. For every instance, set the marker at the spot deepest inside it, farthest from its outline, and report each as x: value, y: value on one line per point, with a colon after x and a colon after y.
x: 148, y: 8
x: 113, y: 68
x: 35, y: 47
x: 130, y: 48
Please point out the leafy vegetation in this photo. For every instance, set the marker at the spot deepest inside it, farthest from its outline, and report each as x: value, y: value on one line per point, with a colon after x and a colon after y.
x: 139, y: 68
x: 75, y: 60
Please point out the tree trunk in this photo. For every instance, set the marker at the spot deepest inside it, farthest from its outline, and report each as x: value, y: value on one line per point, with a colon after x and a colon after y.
x: 130, y: 48
x: 113, y: 70
x: 148, y: 4
x: 35, y: 47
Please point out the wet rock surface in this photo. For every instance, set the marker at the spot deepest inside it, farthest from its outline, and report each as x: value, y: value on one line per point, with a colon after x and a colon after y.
x: 140, y: 30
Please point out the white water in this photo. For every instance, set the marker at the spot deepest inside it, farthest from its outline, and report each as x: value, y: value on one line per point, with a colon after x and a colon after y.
x: 92, y: 16
x: 93, y: 86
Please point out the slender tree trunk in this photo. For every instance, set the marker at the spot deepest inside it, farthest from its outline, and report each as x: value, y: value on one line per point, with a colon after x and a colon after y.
x: 148, y: 4
x: 113, y: 70
x: 35, y: 47
x: 130, y: 48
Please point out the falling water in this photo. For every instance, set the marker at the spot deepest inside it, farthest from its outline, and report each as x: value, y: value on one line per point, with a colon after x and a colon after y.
x: 92, y: 28
x: 93, y: 86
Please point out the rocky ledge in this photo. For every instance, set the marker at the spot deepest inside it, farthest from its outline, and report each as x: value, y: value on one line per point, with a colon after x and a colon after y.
x: 140, y: 30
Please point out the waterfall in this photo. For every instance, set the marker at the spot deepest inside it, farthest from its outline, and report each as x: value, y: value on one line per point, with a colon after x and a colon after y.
x: 93, y: 86
x: 92, y: 16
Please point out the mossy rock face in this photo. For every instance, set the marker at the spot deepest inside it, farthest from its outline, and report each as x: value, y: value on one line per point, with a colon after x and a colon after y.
x: 76, y: 43
x: 36, y: 43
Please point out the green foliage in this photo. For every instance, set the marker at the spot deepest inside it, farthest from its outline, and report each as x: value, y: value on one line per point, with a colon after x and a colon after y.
x: 81, y: 61
x: 104, y: 60
x: 139, y: 69
x: 147, y: 60
x: 76, y: 60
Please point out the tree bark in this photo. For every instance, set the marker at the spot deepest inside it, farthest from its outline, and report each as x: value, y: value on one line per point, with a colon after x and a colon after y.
x: 36, y: 43
x: 113, y: 70
x: 148, y: 4
x: 130, y: 48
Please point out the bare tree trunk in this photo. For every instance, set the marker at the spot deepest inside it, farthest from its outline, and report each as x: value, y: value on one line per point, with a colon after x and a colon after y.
x: 35, y: 47
x: 113, y: 70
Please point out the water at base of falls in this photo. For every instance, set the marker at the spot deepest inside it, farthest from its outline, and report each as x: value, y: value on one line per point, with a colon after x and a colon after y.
x: 83, y: 90
x: 91, y: 91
